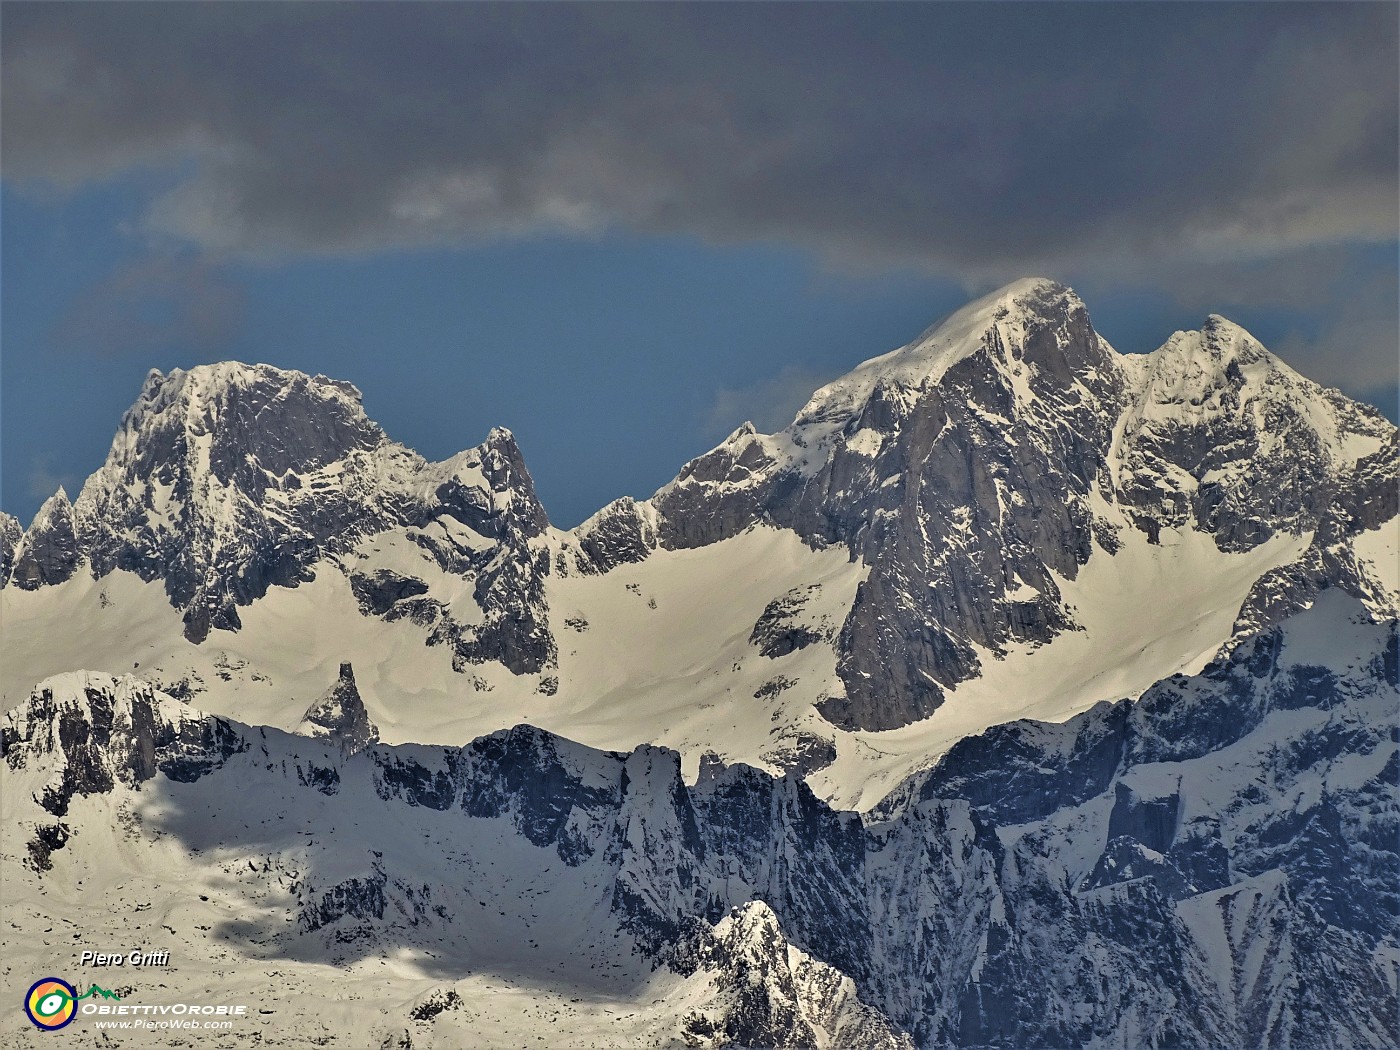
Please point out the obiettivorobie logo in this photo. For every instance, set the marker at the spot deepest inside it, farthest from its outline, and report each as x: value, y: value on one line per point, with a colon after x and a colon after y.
x: 51, y: 1003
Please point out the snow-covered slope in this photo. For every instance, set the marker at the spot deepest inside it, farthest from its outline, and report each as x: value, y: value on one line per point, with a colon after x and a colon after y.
x: 1005, y: 518
x: 1213, y: 865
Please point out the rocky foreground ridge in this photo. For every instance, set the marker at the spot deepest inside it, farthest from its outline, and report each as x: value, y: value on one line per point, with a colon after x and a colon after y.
x: 1212, y: 865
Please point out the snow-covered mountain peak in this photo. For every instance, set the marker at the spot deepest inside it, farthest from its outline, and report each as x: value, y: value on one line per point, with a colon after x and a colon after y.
x: 1005, y: 317
x: 1219, y: 351
x: 228, y: 478
x: 56, y: 506
x: 1222, y: 373
x: 861, y: 571
x: 1223, y: 435
x: 221, y: 415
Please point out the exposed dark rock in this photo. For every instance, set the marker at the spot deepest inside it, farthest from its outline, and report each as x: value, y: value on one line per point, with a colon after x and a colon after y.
x: 325, y: 779
x: 340, y: 716
x: 774, y: 688
x: 11, y: 532
x: 779, y: 630
x: 435, y: 1003
x: 122, y: 732
x: 47, y: 839
x: 378, y: 592
x: 515, y: 632
x: 405, y: 779
x: 1149, y: 821
x: 1363, y: 499
x: 49, y: 552
x: 619, y: 534
x: 1126, y: 860
x: 801, y: 754
x: 425, y: 612
x: 1025, y: 771
x: 361, y: 898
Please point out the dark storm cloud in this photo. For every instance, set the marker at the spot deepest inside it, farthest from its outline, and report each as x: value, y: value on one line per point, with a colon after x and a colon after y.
x: 977, y: 140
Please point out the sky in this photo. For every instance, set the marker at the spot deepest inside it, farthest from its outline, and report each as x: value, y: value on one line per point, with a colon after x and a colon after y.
x: 621, y: 230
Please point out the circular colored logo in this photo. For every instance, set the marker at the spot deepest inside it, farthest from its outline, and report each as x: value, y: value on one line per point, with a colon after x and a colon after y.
x: 50, y: 1003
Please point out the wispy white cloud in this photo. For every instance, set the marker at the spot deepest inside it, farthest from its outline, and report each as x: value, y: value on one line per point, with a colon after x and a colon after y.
x: 157, y: 301
x: 769, y: 404
x: 43, y: 480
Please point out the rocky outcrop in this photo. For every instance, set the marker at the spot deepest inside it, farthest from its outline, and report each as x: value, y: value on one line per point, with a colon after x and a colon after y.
x: 1363, y: 500
x: 11, y: 532
x: 1224, y: 437
x: 380, y: 591
x: 767, y: 992
x: 783, y: 629
x: 621, y: 533
x: 96, y: 732
x: 340, y: 716
x: 49, y: 552
x: 801, y: 754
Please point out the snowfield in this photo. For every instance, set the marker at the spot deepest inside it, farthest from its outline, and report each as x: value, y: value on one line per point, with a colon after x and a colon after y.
x: 661, y: 654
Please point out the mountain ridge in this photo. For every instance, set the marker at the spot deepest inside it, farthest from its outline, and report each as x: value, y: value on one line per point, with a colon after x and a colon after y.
x: 959, y: 498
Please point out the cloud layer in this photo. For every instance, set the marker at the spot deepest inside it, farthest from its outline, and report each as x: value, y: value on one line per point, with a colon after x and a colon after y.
x: 978, y: 140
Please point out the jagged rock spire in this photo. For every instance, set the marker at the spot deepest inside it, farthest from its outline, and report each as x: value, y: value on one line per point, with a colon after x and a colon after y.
x: 340, y: 716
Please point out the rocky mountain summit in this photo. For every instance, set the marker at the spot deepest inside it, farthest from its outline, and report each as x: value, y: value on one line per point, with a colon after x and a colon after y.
x: 229, y: 479
x: 977, y: 466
